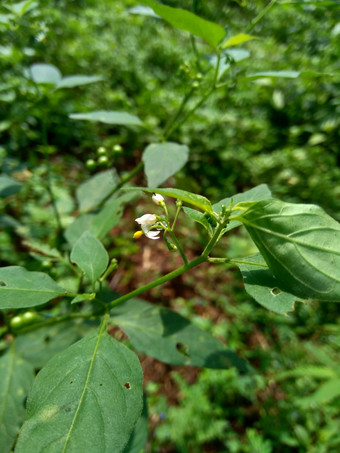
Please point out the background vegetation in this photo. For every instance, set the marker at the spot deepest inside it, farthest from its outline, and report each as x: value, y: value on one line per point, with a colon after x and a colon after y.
x: 278, y: 131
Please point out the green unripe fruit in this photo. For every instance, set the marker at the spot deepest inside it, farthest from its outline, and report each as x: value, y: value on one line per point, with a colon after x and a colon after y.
x: 103, y: 161
x: 90, y: 164
x: 29, y: 316
x: 16, y: 322
x: 195, y: 84
x: 101, y: 151
x: 117, y: 149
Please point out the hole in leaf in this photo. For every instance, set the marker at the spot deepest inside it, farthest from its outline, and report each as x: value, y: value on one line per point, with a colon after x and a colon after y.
x: 47, y: 339
x: 127, y: 385
x: 2, y: 283
x: 275, y: 291
x: 71, y: 382
x: 67, y: 409
x: 182, y: 349
x: 100, y: 385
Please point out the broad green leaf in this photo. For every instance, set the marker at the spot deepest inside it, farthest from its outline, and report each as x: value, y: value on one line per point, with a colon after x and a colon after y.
x: 108, y: 117
x: 90, y: 255
x: 87, y: 398
x: 237, y: 39
x: 39, y: 345
x: 20, y: 288
x: 107, y: 217
x: 327, y: 392
x: 77, y: 80
x: 8, y: 186
x: 42, y: 248
x: 16, y: 377
x: 167, y: 336
x: 184, y: 20
x: 139, y: 435
x: 188, y: 197
x: 78, y: 227
x: 93, y: 191
x: 261, y: 284
x: 301, y: 245
x: 162, y: 160
x: 44, y: 73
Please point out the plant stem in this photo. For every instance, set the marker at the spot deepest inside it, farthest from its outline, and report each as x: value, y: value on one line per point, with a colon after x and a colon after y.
x: 157, y: 282
x: 257, y: 19
x: 169, y: 126
x: 178, y: 245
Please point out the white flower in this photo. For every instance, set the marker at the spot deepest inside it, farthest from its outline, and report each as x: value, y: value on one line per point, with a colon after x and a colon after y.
x: 158, y: 199
x: 146, y: 222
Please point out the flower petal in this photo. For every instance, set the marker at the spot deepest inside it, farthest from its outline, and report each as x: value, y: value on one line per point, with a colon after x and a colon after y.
x: 152, y: 234
x: 147, y: 219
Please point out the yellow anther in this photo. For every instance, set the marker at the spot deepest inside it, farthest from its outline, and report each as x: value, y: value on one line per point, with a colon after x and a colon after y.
x: 138, y: 234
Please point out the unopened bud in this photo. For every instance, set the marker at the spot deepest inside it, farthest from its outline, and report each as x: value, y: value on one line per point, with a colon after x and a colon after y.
x: 158, y: 199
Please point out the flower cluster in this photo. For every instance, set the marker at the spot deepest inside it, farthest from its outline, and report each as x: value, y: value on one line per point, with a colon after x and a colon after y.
x: 149, y: 221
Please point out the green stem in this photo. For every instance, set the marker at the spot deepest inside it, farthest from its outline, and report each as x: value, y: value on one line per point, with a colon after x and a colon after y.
x: 195, y: 50
x: 246, y: 262
x: 213, y: 240
x: 257, y: 19
x: 178, y: 245
x: 157, y: 282
x: 169, y: 126
x: 176, y: 217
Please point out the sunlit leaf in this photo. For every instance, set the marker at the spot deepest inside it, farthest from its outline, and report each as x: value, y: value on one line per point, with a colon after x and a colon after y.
x: 77, y: 80
x: 167, y: 336
x: 87, y: 398
x: 20, y: 288
x: 8, y: 186
x: 162, y: 160
x: 185, y: 20
x: 108, y: 117
x: 237, y: 39
x: 44, y: 73
x: 301, y: 245
x: 16, y: 377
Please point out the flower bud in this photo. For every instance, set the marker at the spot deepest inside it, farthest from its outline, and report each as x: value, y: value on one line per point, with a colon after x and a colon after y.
x: 158, y: 199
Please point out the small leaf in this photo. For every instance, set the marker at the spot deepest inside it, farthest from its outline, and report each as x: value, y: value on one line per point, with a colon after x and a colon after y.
x: 87, y: 399
x: 44, y: 73
x: 300, y: 244
x: 42, y: 248
x: 237, y: 39
x: 77, y: 80
x: 198, y: 217
x: 108, y: 117
x: 274, y: 74
x: 93, y: 191
x: 82, y: 297
x: 20, y: 288
x: 260, y: 284
x: 16, y: 377
x: 162, y: 160
x: 143, y: 10
x: 90, y: 255
x: 188, y: 197
x: 317, y: 372
x: 8, y: 186
x: 327, y: 392
x: 184, y: 20
x: 167, y: 336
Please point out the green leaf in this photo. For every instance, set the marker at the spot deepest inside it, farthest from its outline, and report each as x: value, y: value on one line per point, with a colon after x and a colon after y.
x: 317, y: 372
x: 301, y: 245
x: 108, y: 117
x: 188, y: 197
x: 274, y: 74
x: 139, y: 435
x: 261, y: 284
x: 44, y: 73
x: 107, y: 217
x: 198, y: 217
x: 184, y: 20
x: 42, y: 248
x: 38, y: 346
x: 87, y: 398
x: 237, y: 39
x: 90, y: 255
x: 327, y: 392
x: 77, y: 80
x: 78, y: 227
x: 20, y: 288
x: 92, y: 192
x: 16, y: 377
x: 162, y: 160
x: 8, y: 186
x: 167, y: 336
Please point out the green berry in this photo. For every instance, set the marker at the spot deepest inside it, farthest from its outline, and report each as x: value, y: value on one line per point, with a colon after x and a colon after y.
x: 101, y: 151
x: 103, y: 161
x: 117, y: 149
x: 195, y: 84
x: 90, y: 164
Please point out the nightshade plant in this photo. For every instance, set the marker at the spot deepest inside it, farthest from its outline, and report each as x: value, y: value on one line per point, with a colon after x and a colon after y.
x: 88, y: 393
